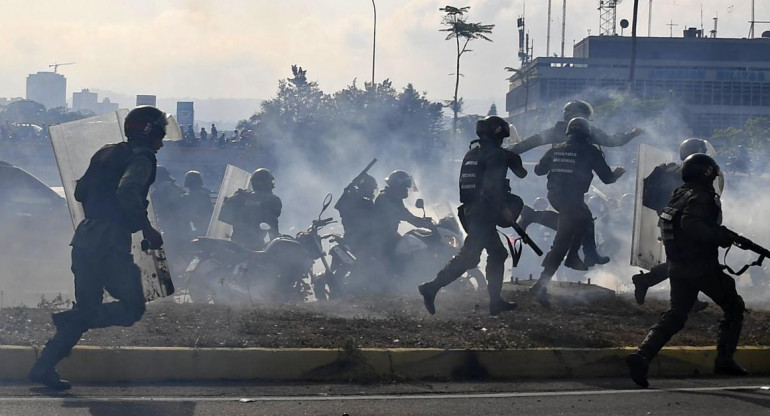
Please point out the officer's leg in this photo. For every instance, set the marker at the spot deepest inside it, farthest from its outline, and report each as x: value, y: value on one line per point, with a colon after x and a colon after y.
x: 124, y: 283
x: 684, y: 292
x: 70, y: 325
x: 496, y: 255
x: 721, y: 289
x: 467, y: 258
x: 590, y: 255
x: 581, y: 221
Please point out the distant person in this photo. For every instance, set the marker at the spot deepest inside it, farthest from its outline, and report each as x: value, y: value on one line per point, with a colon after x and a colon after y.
x: 196, y: 204
x: 203, y: 134
x: 113, y: 192
x: 214, y: 132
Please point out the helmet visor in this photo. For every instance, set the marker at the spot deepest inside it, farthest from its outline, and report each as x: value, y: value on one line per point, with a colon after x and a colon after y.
x: 172, y: 129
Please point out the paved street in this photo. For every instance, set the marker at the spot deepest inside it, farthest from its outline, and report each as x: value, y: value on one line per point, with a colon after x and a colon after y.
x: 702, y: 396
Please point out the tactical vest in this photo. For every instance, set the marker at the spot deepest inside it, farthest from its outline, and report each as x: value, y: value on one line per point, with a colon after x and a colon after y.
x: 670, y: 226
x: 97, y: 189
x: 472, y: 176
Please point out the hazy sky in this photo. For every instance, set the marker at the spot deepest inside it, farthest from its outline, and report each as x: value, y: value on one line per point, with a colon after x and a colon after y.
x: 240, y: 48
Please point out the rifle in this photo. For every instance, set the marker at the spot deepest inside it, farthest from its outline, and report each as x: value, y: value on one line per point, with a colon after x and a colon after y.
x: 526, y: 239
x: 355, y: 180
x: 748, y: 245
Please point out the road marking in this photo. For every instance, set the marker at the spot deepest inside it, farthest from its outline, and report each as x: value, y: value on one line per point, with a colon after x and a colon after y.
x: 65, y: 397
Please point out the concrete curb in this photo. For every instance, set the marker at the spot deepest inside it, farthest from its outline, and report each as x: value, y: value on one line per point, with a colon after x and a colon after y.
x: 100, y: 364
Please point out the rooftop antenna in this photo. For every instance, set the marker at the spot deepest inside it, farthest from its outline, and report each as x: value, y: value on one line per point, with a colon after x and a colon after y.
x: 701, y: 18
x: 57, y: 65
x: 563, y: 25
x: 671, y: 28
x: 608, y: 17
x: 649, y: 20
x: 751, y: 26
x: 548, y: 32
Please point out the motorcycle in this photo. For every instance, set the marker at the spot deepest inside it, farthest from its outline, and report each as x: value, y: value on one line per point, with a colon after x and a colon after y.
x: 422, y: 252
x: 224, y: 272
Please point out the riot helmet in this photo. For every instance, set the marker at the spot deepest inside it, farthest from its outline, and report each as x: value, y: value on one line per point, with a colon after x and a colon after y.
x: 145, y: 123
x: 399, y: 179
x: 493, y: 127
x: 692, y: 146
x: 262, y: 180
x: 163, y: 175
x: 193, y: 179
x: 578, y: 127
x: 699, y: 168
x: 367, y: 186
x: 577, y: 108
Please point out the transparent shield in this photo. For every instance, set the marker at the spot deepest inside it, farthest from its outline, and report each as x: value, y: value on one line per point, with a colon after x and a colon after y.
x: 235, y: 179
x: 173, y: 131
x: 74, y: 143
x: 646, y: 249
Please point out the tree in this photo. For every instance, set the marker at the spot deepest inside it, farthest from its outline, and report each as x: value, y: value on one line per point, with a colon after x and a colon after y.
x: 463, y: 32
x: 492, y: 110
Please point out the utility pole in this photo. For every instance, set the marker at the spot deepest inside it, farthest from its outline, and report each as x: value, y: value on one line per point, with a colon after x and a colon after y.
x: 751, y: 23
x: 649, y: 20
x: 548, y: 32
x: 563, y: 25
x: 633, y: 47
x: 374, y: 40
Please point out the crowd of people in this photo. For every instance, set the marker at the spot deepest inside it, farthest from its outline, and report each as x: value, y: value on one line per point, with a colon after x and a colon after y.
x: 114, y: 192
x: 211, y: 138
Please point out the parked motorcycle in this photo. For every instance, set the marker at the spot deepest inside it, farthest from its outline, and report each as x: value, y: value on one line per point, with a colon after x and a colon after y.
x: 224, y: 272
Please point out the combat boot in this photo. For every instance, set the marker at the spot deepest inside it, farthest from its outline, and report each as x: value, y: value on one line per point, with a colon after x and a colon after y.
x: 499, y: 305
x: 540, y: 291
x: 592, y: 259
x: 428, y: 291
x: 638, y: 366
x: 727, y: 343
x: 726, y: 366
x: 573, y: 262
x: 44, y: 370
x: 640, y: 288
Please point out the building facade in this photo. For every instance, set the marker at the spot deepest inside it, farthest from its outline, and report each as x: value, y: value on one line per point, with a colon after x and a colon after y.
x: 719, y: 83
x: 89, y: 101
x: 47, y: 88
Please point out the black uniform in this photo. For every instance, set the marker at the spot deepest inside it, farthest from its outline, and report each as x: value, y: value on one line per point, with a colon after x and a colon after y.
x: 555, y: 135
x: 113, y: 192
x: 484, y: 195
x: 570, y: 168
x: 692, y: 235
x: 246, y: 210
x: 197, y: 207
x: 356, y: 213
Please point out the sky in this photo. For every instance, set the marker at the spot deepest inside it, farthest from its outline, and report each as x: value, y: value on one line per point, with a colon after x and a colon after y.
x: 241, y: 48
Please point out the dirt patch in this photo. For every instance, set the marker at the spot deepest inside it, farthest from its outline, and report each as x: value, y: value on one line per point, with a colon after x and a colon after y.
x: 462, y: 322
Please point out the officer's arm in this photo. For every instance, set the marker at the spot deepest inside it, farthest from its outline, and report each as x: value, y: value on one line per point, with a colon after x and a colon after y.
x: 530, y: 143
x: 618, y: 139
x: 544, y: 165
x: 278, y: 206
x: 493, y: 187
x: 514, y: 164
x: 600, y: 166
x: 130, y: 189
x: 693, y: 224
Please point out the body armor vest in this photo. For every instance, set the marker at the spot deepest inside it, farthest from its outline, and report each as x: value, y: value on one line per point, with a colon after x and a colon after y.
x: 471, y: 176
x: 96, y: 190
x: 670, y: 225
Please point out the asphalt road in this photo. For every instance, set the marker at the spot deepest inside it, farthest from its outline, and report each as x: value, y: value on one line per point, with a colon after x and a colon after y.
x: 701, y: 396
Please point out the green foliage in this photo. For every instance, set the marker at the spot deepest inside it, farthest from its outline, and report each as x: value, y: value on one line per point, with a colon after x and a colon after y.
x: 305, y: 118
x: 58, y: 303
x: 754, y: 136
x: 492, y: 110
x: 32, y: 112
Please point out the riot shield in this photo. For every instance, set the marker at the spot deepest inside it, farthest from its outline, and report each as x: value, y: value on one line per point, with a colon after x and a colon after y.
x: 235, y: 179
x: 74, y: 143
x: 646, y: 248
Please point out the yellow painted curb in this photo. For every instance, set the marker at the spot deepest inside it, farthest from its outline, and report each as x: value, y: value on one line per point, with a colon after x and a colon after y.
x: 100, y: 364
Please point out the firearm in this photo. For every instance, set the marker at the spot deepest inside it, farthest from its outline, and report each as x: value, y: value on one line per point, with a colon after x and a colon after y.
x: 525, y: 238
x: 355, y: 180
x: 746, y: 244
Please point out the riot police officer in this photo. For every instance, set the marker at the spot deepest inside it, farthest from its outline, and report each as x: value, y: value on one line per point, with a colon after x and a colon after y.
x: 113, y: 192
x: 356, y: 208
x: 486, y: 203
x: 692, y: 234
x: 196, y: 204
x: 247, y: 209
x: 658, y: 187
x: 570, y: 168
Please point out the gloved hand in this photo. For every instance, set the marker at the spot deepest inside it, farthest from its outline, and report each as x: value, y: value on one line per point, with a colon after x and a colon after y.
x: 618, y: 172
x: 636, y: 132
x: 426, y: 222
x: 726, y: 238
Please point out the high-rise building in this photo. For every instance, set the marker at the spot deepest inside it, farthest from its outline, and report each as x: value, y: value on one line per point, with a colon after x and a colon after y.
x: 47, y: 88
x: 89, y: 101
x: 146, y: 100
x: 185, y: 114
x: 717, y: 82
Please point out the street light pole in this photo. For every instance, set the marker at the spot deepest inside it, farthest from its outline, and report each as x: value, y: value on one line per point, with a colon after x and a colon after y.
x: 374, y: 40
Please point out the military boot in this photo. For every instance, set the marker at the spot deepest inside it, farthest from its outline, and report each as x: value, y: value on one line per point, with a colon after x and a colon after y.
x: 593, y: 258
x: 727, y: 343
x: 499, y: 305
x: 639, y: 362
x: 44, y: 369
x: 573, y: 262
x: 428, y: 291
x: 640, y: 287
x: 540, y: 291
x: 638, y: 366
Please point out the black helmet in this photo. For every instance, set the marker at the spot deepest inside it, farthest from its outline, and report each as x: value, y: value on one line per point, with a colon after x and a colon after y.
x: 193, y: 179
x: 699, y: 167
x: 692, y: 146
x: 577, y: 108
x: 367, y: 185
x: 398, y: 179
x: 262, y: 179
x: 578, y: 127
x: 162, y: 174
x: 145, y: 122
x: 493, y: 126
